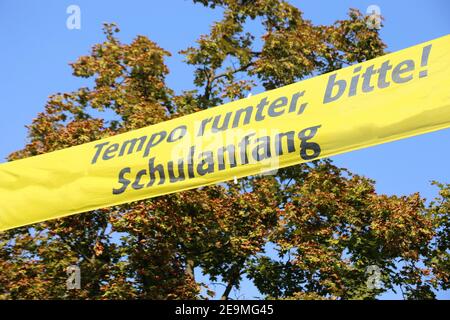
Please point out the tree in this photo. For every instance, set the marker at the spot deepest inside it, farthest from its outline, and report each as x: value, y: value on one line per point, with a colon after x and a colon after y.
x: 327, y: 224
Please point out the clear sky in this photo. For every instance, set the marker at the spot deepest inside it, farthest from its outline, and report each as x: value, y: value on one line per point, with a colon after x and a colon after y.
x: 37, y: 47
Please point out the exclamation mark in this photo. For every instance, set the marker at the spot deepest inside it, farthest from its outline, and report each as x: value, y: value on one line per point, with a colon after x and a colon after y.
x: 425, y: 55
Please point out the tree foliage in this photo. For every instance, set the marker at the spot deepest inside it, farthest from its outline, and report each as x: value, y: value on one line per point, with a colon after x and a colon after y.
x: 325, y: 224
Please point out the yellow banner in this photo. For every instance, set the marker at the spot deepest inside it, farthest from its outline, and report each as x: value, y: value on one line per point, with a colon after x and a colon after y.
x: 399, y: 95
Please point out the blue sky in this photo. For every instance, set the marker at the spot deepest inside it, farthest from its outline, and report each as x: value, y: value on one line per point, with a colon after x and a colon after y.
x: 37, y: 47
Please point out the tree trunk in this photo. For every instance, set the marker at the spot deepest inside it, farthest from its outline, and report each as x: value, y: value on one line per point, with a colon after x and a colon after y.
x: 190, y: 268
x: 227, y: 291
